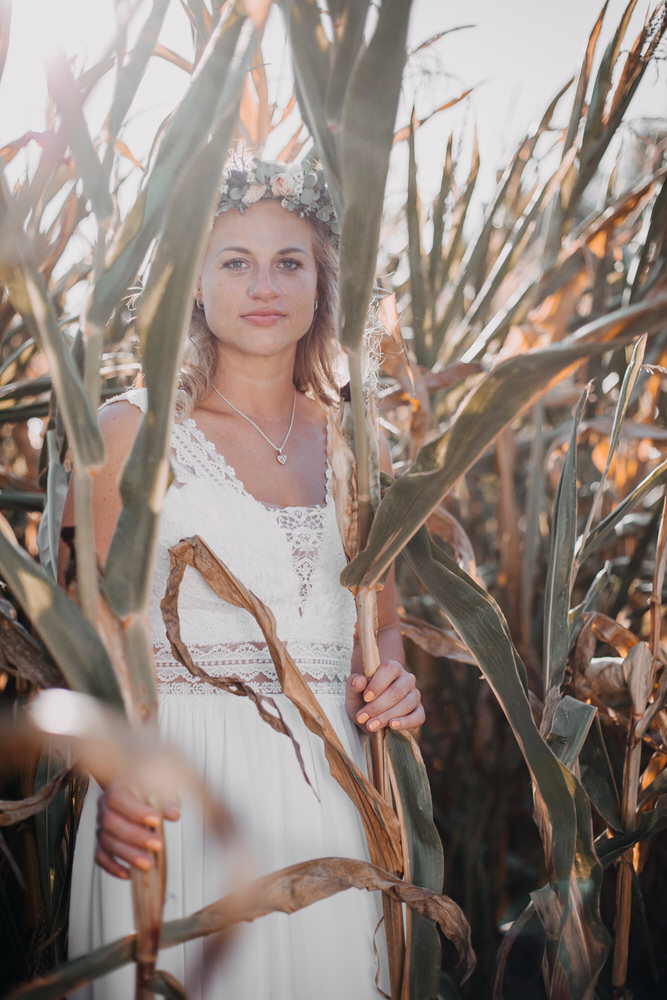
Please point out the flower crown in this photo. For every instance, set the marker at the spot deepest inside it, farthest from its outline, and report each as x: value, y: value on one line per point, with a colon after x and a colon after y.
x: 299, y: 187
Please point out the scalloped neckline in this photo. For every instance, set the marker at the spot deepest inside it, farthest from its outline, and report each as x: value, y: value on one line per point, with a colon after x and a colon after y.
x: 196, y: 431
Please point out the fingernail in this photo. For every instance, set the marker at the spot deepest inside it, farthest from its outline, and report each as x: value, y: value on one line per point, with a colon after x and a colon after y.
x: 143, y: 863
x: 375, y: 724
x: 395, y: 723
x: 154, y: 844
x: 152, y: 820
x: 364, y: 717
x: 368, y: 695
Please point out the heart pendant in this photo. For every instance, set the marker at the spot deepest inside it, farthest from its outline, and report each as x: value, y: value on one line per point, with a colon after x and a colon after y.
x: 281, y: 458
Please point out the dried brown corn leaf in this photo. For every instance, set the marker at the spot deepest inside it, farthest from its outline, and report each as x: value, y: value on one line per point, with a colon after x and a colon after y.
x: 379, y: 820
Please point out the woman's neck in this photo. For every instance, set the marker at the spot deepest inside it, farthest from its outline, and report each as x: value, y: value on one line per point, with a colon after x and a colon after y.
x: 258, y: 390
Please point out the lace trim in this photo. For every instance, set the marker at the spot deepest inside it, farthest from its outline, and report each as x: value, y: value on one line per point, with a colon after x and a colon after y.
x: 324, y: 666
x: 205, y: 457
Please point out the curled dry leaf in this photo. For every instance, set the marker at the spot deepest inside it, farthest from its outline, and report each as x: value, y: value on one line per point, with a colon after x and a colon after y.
x: 290, y: 889
x: 436, y: 641
x: 639, y: 674
x: 609, y: 631
x: 285, y: 891
x: 603, y: 680
x: 23, y: 654
x: 380, y: 823
x: 16, y: 811
x: 231, y: 684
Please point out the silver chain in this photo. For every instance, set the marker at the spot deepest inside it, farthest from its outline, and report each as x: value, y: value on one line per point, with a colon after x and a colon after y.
x: 280, y: 456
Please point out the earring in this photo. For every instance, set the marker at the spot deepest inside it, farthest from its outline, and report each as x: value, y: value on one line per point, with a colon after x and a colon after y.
x: 199, y: 302
x: 317, y: 305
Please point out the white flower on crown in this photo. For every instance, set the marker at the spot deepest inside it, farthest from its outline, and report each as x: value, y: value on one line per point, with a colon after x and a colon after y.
x: 282, y: 186
x: 254, y: 193
x: 297, y: 182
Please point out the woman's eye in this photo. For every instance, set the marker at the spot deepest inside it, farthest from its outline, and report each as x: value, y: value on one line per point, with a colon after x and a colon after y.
x: 288, y: 264
x: 234, y: 264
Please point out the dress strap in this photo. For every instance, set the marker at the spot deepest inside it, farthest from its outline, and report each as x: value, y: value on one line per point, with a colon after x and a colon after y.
x: 137, y: 397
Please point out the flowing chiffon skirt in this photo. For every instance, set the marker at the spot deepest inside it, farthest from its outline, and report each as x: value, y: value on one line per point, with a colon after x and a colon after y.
x: 325, y: 951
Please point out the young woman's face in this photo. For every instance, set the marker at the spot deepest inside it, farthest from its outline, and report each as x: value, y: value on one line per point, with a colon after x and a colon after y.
x: 259, y: 280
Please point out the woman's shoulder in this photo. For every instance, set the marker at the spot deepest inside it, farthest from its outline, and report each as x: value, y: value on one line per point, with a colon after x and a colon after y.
x: 136, y: 398
x: 119, y: 419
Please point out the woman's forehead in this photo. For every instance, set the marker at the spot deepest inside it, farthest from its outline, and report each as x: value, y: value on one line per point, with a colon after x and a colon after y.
x: 263, y: 225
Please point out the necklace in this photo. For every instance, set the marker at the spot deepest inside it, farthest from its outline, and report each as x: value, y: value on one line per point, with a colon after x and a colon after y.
x: 280, y: 456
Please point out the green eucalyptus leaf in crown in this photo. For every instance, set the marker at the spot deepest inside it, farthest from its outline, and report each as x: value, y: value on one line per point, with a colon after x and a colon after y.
x: 299, y: 187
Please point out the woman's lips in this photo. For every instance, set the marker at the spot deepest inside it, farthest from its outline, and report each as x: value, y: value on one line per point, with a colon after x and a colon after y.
x: 263, y: 318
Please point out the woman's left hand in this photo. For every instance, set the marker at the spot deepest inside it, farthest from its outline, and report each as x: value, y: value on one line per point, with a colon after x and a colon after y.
x: 390, y: 698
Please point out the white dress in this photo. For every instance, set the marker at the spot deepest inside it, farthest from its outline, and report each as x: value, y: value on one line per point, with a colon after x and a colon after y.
x: 291, y: 559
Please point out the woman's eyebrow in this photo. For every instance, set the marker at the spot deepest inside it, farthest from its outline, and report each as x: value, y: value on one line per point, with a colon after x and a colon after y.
x: 247, y: 251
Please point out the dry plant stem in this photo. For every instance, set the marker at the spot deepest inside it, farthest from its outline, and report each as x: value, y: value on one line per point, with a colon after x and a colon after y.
x: 360, y: 448
x: 631, y: 774
x: 366, y: 601
x: 624, y: 878
x: 148, y: 890
x: 658, y: 582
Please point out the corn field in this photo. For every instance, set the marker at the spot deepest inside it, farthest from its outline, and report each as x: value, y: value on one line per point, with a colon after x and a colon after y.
x: 521, y: 372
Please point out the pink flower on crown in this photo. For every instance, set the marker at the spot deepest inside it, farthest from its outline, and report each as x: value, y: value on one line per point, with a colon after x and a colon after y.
x: 254, y: 193
x: 281, y: 186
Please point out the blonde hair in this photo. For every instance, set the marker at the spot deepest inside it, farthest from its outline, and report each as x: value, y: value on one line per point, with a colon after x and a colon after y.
x: 315, y: 352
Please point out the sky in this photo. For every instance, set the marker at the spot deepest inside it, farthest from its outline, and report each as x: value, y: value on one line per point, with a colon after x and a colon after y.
x: 515, y: 54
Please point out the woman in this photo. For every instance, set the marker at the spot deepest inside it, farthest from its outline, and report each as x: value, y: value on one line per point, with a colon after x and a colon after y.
x: 252, y: 478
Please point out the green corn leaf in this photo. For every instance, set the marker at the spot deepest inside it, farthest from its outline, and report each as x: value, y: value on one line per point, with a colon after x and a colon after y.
x: 368, y: 130
x: 602, y: 530
x: 164, y: 310
x: 597, y: 777
x: 311, y: 54
x: 130, y: 74
x: 629, y: 381
x: 426, y: 858
x: 61, y: 625
x: 559, y: 571
x: 610, y: 849
x: 498, y: 398
x: 473, y: 258
x: 21, y: 500
x: 480, y: 623
x: 204, y: 101
x: 16, y: 362
x: 558, y: 208
x: 435, y: 256
x: 48, y: 533
x: 29, y: 294
x: 603, y: 80
x: 655, y: 234
x: 577, y: 939
x: 569, y: 730
x: 68, y: 100
x: 461, y: 210
x: 349, y: 42
x: 417, y: 290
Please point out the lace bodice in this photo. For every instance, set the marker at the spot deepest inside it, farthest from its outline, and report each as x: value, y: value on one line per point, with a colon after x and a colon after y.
x: 290, y: 557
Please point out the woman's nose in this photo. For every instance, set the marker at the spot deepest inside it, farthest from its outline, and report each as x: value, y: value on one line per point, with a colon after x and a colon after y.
x: 263, y: 283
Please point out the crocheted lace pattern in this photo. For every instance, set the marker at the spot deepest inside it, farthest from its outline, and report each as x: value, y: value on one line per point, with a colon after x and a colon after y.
x: 289, y: 557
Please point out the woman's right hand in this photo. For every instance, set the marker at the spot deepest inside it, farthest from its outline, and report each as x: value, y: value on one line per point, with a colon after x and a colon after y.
x: 127, y: 830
